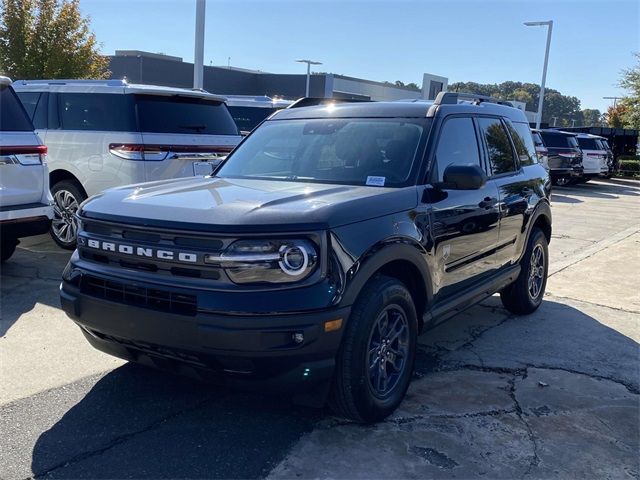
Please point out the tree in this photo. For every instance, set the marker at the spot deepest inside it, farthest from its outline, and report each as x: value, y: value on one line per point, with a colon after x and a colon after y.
x: 564, y: 108
x: 48, y: 39
x: 630, y: 81
x: 616, y: 115
x: 591, y: 117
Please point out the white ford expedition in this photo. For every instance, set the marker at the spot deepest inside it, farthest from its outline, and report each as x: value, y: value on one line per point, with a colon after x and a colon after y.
x: 108, y: 133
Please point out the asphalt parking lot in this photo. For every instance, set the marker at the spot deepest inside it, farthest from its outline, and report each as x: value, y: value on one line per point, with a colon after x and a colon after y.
x: 553, y: 394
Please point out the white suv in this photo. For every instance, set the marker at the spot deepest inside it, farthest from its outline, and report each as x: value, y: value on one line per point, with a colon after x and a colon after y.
x: 594, y: 156
x: 108, y: 133
x: 25, y: 201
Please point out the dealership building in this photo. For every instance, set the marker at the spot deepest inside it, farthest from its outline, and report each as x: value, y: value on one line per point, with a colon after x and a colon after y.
x: 159, y: 69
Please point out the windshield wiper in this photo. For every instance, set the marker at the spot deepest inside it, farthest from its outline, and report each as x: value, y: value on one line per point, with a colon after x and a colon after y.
x: 197, y: 128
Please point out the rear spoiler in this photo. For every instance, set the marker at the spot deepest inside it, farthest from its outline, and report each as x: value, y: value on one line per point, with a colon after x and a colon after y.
x: 313, y: 101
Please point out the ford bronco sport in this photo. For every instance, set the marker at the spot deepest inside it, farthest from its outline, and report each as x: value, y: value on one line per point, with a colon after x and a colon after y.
x: 317, y: 252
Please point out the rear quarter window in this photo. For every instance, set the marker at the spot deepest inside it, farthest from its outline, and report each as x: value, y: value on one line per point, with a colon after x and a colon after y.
x: 13, y: 117
x: 191, y: 115
x: 523, y: 141
x: 96, y: 111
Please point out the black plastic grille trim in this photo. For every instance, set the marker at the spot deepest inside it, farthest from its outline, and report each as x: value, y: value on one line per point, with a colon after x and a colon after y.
x: 154, y: 299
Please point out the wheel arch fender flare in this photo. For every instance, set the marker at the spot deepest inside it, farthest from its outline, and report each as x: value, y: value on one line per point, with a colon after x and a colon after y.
x: 542, y: 213
x: 385, y: 254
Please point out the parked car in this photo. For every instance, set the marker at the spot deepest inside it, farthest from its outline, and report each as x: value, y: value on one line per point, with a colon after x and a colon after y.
x: 604, y: 145
x: 320, y: 248
x: 564, y: 156
x: 25, y: 202
x: 541, y: 150
x: 107, y: 133
x: 249, y: 111
x: 594, y: 156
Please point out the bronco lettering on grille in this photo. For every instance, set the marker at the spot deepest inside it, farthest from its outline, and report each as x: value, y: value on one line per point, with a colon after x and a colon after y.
x: 147, y: 252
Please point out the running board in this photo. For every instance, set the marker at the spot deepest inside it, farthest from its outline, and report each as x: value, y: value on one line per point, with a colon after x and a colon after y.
x: 450, y: 307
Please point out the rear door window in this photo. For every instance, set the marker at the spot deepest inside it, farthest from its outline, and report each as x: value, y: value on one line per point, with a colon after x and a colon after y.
x: 192, y: 115
x: 13, y: 117
x: 499, y: 148
x: 457, y: 144
x: 105, y: 112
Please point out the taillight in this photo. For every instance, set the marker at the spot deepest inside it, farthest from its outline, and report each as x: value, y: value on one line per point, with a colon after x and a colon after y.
x: 23, y: 155
x: 131, y: 151
x: 137, y: 152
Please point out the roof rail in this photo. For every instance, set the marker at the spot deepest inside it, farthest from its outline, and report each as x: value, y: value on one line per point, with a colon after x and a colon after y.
x: 108, y: 83
x: 452, y: 98
x: 313, y: 101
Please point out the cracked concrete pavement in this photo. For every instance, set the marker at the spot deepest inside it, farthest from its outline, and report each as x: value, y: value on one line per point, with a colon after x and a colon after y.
x: 553, y: 394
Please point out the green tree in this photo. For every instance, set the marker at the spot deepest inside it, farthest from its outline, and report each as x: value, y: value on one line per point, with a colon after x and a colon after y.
x: 630, y: 81
x: 591, y: 117
x: 48, y: 39
x: 564, y: 108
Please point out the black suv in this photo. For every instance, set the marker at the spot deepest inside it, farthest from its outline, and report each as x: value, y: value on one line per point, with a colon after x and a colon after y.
x: 564, y: 156
x: 318, y: 251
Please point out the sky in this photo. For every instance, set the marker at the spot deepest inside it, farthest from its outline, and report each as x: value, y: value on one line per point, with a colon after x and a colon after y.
x: 480, y: 41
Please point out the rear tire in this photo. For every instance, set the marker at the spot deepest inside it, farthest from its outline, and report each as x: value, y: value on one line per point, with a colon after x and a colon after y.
x: 7, y: 247
x: 67, y: 197
x: 375, y: 363
x: 525, y: 295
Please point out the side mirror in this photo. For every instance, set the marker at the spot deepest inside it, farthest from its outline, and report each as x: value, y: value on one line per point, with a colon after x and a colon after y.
x: 464, y: 177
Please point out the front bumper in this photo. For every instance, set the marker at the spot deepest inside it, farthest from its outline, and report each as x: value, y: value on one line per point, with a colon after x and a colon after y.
x: 248, y: 351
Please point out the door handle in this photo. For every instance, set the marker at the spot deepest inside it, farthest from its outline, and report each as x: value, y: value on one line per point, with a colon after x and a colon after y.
x: 488, y: 202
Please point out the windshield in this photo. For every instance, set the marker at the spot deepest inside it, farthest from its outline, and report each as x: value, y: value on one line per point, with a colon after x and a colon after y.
x: 363, y: 151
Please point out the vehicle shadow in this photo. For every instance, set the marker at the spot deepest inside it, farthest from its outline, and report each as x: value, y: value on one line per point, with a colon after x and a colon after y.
x: 32, y: 275
x: 139, y: 423
x: 556, y: 197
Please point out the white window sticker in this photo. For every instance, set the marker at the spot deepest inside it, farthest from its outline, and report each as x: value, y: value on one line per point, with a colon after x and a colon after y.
x: 376, y: 181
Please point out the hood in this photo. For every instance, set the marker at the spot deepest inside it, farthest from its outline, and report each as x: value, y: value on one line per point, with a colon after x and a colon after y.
x: 224, y: 204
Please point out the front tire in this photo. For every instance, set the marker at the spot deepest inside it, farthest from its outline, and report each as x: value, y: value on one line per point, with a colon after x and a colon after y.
x: 375, y: 363
x: 525, y: 295
x: 67, y: 197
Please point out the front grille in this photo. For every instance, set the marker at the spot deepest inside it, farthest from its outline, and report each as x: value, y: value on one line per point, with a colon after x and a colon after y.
x: 197, y: 243
x: 162, y: 300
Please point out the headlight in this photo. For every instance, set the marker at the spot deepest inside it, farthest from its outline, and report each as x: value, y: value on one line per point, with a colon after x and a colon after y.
x: 267, y: 261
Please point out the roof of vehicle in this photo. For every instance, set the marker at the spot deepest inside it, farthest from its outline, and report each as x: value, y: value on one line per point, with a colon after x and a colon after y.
x: 397, y: 109
x: 556, y: 132
x: 261, y: 101
x: 588, y: 135
x: 104, y: 86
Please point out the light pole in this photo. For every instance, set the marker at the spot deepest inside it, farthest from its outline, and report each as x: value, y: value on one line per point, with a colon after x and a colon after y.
x: 615, y: 100
x: 198, y: 60
x: 309, y: 63
x: 548, y: 23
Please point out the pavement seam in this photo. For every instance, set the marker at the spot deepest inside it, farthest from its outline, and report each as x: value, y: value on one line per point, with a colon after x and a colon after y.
x: 118, y: 440
x: 535, y: 460
x: 618, y: 309
x: 592, y: 250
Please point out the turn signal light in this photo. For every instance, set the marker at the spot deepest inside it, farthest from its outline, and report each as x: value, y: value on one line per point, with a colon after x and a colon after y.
x: 333, y: 325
